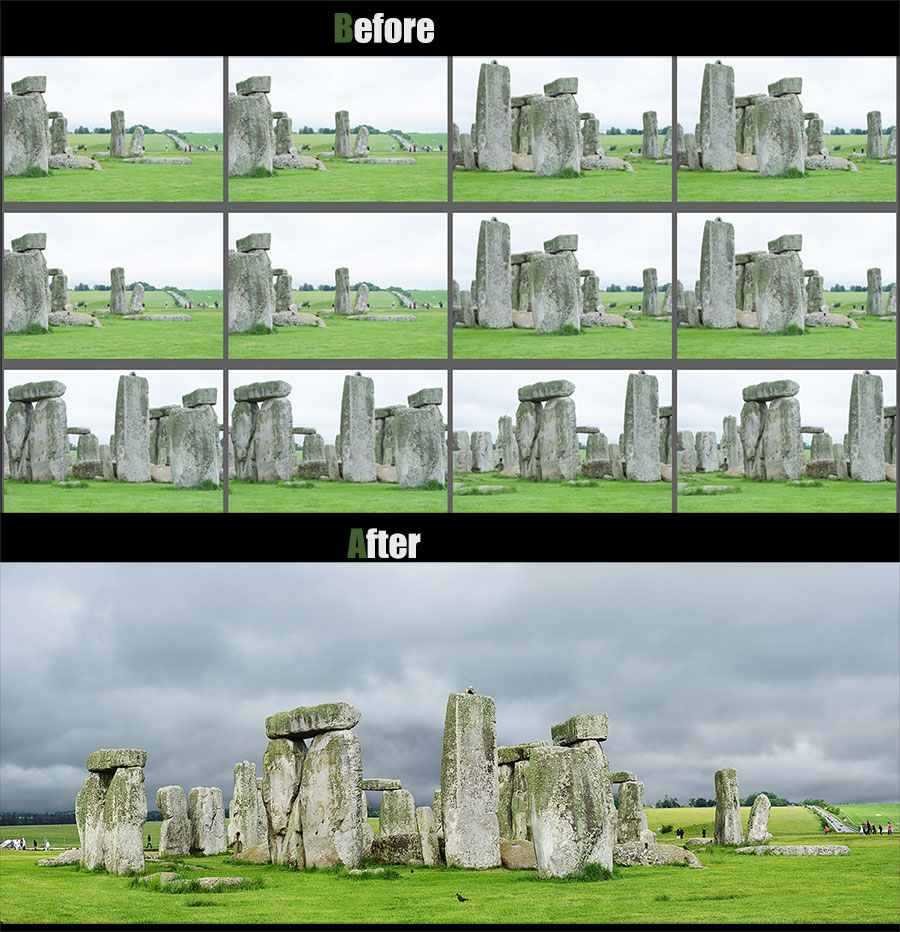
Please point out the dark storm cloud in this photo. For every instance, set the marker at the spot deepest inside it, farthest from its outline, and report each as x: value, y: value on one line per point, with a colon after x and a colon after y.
x: 788, y: 672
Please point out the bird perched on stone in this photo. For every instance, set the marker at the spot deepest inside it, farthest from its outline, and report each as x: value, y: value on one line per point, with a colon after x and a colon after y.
x: 132, y: 373
x: 642, y: 372
x: 718, y: 219
x: 493, y: 61
x: 493, y: 219
x: 359, y: 373
x: 718, y: 61
x: 462, y: 899
x: 866, y: 372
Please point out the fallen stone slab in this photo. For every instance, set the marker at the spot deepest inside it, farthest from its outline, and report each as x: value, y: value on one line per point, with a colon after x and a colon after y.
x: 255, y: 854
x: 111, y: 758
x: 386, y: 473
x: 297, y: 319
x: 484, y: 490
x: 598, y: 319
x: 634, y: 852
x: 384, y: 161
x: 829, y: 162
x: 72, y: 319
x: 161, y: 161
x: 827, y: 319
x: 73, y: 161
x: 523, y: 320
x: 707, y: 490
x: 794, y: 850
x: 522, y: 163
x: 309, y: 721
x: 160, y: 473
x: 700, y: 841
x: 72, y: 856
x: 383, y: 318
x: 605, y: 163
x: 157, y: 317
x: 288, y: 160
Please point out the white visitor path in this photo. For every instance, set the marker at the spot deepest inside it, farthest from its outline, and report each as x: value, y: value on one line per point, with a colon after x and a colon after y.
x: 403, y: 142
x: 407, y: 302
x: 181, y: 143
x: 182, y: 301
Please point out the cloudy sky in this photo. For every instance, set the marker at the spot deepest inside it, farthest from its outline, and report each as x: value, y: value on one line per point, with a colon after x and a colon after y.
x: 480, y: 398
x: 163, y: 249
x: 406, y: 93
x: 616, y: 90
x: 182, y: 92
x: 316, y: 396
x: 618, y: 247
x: 840, y: 246
x: 91, y: 394
x: 409, y: 250
x: 704, y: 398
x: 88, y: 661
x: 842, y: 96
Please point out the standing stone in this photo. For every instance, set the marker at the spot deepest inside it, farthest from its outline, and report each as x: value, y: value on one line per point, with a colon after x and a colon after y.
x: 821, y: 447
x: 778, y: 136
x: 419, y: 445
x: 815, y: 294
x: 841, y: 468
x: 758, y: 823
x: 782, y: 442
x: 874, y: 293
x: 207, y: 820
x: 243, y: 425
x: 89, y: 818
x: 313, y: 448
x: 650, y: 294
x: 591, y: 294
x: 361, y: 305
x: 717, y: 275
x: 469, y: 782
x: 520, y: 811
x: 117, y: 148
x: 493, y: 276
x: 590, y: 136
x: 273, y: 441
x: 25, y: 143
x: 26, y: 295
x: 732, y: 452
x: 47, y: 449
x: 106, y: 463
x: 136, y: 147
x: 283, y: 764
x: 554, y: 136
x: 246, y: 811
x: 866, y: 421
x: 631, y: 819
x: 462, y: 451
x: 528, y: 420
x: 717, y: 119
x: 59, y: 293
x: 361, y: 146
x: 251, y: 297
x: 428, y: 832
x: 728, y: 829
x: 815, y: 136
x: 117, y: 303
x: 665, y: 438
x: 342, y: 303
x: 493, y: 119
x: 778, y: 292
x: 124, y: 814
x: 650, y: 147
x: 555, y: 292
x: 753, y: 416
x: 557, y: 441
x: 330, y: 790
x: 175, y: 832
x: 251, y: 143
x: 342, y: 134
x: 397, y: 815
x: 358, y: 429
x: 332, y: 465
x: 707, y: 451
x: 59, y: 134
x: 284, y: 293
x: 88, y: 448
x: 874, y: 137
x: 687, y: 452
x: 504, y: 807
x: 133, y: 429
x: 284, y: 137
x: 482, y: 451
x: 642, y: 428
x: 136, y: 305
x: 507, y: 449
x: 597, y: 447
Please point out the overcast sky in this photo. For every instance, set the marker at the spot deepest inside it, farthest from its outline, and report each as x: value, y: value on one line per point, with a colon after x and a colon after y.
x: 704, y: 398
x: 91, y: 394
x: 163, y: 249
x: 316, y: 396
x: 409, y: 250
x: 480, y: 398
x: 841, y: 246
x: 407, y: 93
x: 618, y: 247
x: 88, y: 661
x: 842, y: 94
x: 182, y: 92
x: 616, y: 90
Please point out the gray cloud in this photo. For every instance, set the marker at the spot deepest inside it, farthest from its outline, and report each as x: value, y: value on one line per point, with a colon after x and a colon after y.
x: 694, y: 664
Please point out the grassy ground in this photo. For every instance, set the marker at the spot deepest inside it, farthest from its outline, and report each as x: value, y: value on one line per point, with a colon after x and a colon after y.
x: 332, y: 497
x: 127, y: 181
x: 793, y: 820
x: 603, y: 495
x: 423, y: 338
x: 831, y: 495
x: 651, y: 339
x: 874, y: 182
x: 350, y: 181
x: 735, y: 889
x: 199, y: 338
x: 108, y: 497
x: 879, y: 813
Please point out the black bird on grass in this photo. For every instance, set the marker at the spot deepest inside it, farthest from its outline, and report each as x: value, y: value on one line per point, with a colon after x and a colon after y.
x: 462, y: 899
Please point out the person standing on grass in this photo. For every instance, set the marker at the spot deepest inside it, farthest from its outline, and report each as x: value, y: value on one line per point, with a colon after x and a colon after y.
x: 860, y: 829
x: 890, y: 832
x: 238, y: 845
x: 46, y: 844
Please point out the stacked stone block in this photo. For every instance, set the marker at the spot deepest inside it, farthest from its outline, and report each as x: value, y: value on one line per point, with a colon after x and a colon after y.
x: 418, y: 437
x: 262, y: 432
x: 26, y: 294
x: 546, y: 431
x: 251, y: 142
x: 26, y: 143
x: 251, y: 296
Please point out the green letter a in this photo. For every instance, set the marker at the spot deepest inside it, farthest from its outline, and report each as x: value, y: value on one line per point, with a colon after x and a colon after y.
x: 357, y: 548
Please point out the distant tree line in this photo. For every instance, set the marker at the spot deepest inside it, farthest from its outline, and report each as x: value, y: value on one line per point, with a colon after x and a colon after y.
x: 837, y: 288
x: 699, y: 802
x: 306, y: 286
x: 840, y: 131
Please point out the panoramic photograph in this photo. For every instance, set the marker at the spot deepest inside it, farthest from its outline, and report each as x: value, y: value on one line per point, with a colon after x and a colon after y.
x: 337, y: 286
x: 459, y: 776
x: 112, y: 286
x: 376, y: 126
x: 787, y: 441
x: 84, y: 441
x: 520, y: 133
x: 750, y: 136
x: 575, y: 441
x: 152, y: 126
x: 374, y: 442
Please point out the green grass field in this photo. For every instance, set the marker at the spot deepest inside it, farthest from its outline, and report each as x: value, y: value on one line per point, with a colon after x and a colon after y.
x: 203, y: 139
x: 350, y: 181
x: 107, y: 497
x: 554, y: 497
x: 831, y: 496
x: 863, y: 887
x: 322, y: 496
x: 127, y: 181
x: 199, y: 338
x: 423, y: 338
x: 874, y: 182
x: 651, y: 339
x: 879, y: 813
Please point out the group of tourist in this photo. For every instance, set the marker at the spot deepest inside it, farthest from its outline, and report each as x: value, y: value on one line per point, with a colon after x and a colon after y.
x: 868, y: 828
x: 19, y: 844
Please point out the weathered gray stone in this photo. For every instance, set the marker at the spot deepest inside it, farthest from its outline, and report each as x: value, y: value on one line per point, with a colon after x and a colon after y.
x: 482, y: 451
x: 782, y: 442
x: 69, y: 856
x: 769, y: 391
x: 687, y: 451
x: 590, y: 300
x: 493, y: 119
x: 26, y: 295
x: 117, y: 148
x: 650, y: 147
x: 642, y: 428
x: 717, y: 275
x: 313, y: 447
x: 469, y: 782
x: 758, y: 822
x: 247, y: 811
x: 778, y: 293
x: 251, y: 143
x: 109, y: 759
x: 428, y: 835
x: 520, y: 810
x: 646, y: 855
x: 124, y: 814
x: 358, y: 429
x: 342, y: 134
x: 89, y: 818
x: 507, y: 449
x: 175, y: 831
x: 398, y: 849
x: 107, y: 468
x: 243, y: 424
x: 665, y: 439
x: 841, y: 466
x: 397, y: 815
x: 785, y: 86
x: 425, y: 396
x: 616, y: 461
x: 778, y: 136
x: 284, y: 296
x: 330, y: 790
x: 283, y: 765
x: 592, y: 727
x: 493, y: 279
x: 342, y: 304
x: 207, y: 820
x: 361, y: 143
x: 555, y: 292
x: 462, y: 451
x: 47, y: 449
x: 707, y: 451
x: 597, y: 447
x: 59, y: 292
x: 794, y: 850
x: 728, y: 829
x: 251, y: 297
x: 309, y: 721
x: 528, y: 419
x: 555, y: 136
x: 650, y: 294
x: 874, y: 137
x: 821, y: 447
x: 631, y: 819
x: 193, y: 446
x: 88, y: 448
x: 419, y: 445
x: 377, y: 785
x: 361, y: 303
x: 717, y: 118
x: 874, y: 293
x: 622, y: 776
x: 668, y: 150
x: 590, y: 139
x: 504, y: 807
x: 273, y: 442
x: 136, y: 146
x: 866, y: 433
x: 557, y: 441
x: 262, y: 391
x: 815, y: 136
x: 26, y: 145
x: 732, y: 450
x: 546, y: 391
